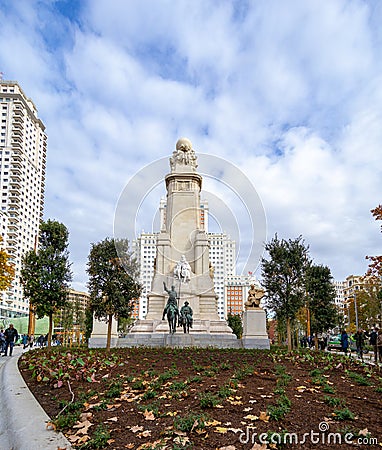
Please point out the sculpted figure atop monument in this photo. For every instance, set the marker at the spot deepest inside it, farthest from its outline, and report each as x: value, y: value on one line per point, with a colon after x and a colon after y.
x: 183, y: 155
x: 182, y: 270
x: 255, y: 294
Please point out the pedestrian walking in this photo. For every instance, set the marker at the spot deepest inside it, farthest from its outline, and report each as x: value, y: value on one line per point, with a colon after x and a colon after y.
x: 360, y: 339
x: 30, y: 340
x: 11, y: 336
x: 2, y: 341
x: 379, y: 345
x: 344, y: 339
x: 373, y: 342
x: 24, y: 340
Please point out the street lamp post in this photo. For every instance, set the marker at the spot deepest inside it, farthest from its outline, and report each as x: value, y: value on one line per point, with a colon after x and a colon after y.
x: 356, y: 310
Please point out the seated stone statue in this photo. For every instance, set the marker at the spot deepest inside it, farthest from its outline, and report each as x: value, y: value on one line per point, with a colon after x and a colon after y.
x: 182, y: 270
x: 255, y: 294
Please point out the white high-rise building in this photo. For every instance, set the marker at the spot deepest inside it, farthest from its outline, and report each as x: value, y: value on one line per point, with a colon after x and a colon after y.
x: 23, y: 145
x: 222, y: 258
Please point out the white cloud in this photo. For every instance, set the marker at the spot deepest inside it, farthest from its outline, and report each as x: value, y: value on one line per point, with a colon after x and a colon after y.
x: 288, y: 91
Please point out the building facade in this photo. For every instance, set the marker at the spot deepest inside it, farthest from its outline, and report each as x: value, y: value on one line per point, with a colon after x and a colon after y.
x: 23, y: 146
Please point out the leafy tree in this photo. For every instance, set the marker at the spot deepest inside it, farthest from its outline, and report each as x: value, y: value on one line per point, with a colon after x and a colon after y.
x: 113, y: 285
x: 320, y: 300
x: 368, y: 301
x: 7, y: 269
x: 45, y: 275
x: 375, y: 266
x: 88, y: 323
x: 284, y: 278
x: 234, y: 321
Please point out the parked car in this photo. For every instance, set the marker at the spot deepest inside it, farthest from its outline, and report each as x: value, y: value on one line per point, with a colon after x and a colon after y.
x: 334, y: 343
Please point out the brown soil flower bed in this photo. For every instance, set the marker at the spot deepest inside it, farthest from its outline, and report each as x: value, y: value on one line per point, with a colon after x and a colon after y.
x: 207, y: 398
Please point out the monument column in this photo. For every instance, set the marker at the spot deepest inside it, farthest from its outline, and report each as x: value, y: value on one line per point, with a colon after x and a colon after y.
x: 183, y: 242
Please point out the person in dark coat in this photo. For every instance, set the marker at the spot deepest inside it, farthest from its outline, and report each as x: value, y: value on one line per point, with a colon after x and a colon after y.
x: 344, y: 341
x: 373, y: 336
x: 11, y: 336
x: 360, y: 339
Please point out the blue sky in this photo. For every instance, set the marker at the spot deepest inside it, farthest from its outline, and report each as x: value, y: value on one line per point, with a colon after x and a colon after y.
x: 288, y: 91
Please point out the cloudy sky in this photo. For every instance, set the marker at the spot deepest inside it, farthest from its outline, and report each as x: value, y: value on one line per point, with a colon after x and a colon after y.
x: 288, y: 91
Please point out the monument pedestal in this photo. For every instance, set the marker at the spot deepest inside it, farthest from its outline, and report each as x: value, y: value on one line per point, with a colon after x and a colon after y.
x: 98, y: 338
x: 255, y: 329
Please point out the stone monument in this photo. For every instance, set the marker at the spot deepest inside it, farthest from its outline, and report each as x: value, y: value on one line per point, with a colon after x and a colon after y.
x: 182, y: 261
x: 254, y: 320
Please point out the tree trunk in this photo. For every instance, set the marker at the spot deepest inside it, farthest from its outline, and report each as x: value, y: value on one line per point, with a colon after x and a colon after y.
x: 289, y: 335
x: 50, y: 330
x: 316, y: 341
x: 109, y: 323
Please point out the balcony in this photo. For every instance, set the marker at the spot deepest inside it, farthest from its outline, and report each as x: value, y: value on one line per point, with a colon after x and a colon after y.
x: 15, y: 184
x: 16, y: 175
x: 12, y: 240
x: 17, y: 126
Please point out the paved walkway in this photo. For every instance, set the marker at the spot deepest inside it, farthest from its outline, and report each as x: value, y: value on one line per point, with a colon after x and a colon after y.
x: 23, y: 421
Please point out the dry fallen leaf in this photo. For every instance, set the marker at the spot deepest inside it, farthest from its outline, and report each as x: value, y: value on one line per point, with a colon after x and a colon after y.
x: 145, y: 433
x: 50, y: 426
x: 136, y: 428
x: 259, y: 447
x: 230, y: 447
x: 364, y: 432
x: 212, y: 423
x: 181, y: 440
x: 263, y: 416
x: 113, y: 419
x: 221, y: 430
x: 130, y: 445
x: 251, y: 417
x: 149, y: 415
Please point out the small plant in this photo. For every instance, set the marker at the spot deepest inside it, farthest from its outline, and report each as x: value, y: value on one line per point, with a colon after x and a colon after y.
x: 208, y: 400
x: 99, y: 439
x: 243, y: 372
x: 114, y: 390
x: 359, y: 379
x: 344, y: 414
x: 278, y: 411
x: 194, y: 379
x: 178, y: 386
x: 328, y: 389
x: 319, y: 381
x: 154, y: 407
x: 333, y: 401
x: 315, y: 373
x: 149, y: 394
x: 225, y: 366
x: 65, y: 421
x: 189, y: 422
x: 224, y: 392
x: 279, y: 391
x: 138, y: 385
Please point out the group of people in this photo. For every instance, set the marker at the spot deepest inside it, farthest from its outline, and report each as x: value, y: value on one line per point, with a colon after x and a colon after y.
x: 10, y: 336
x: 310, y: 341
x: 360, y: 338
